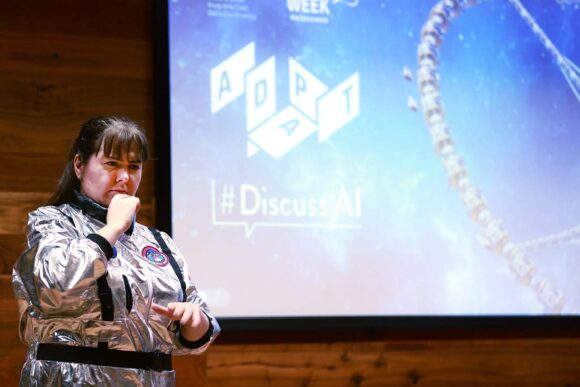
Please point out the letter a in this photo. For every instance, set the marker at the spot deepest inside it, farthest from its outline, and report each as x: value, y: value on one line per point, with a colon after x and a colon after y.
x: 224, y: 84
x: 227, y: 78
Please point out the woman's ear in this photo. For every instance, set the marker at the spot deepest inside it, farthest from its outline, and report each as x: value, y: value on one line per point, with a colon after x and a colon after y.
x: 78, y: 166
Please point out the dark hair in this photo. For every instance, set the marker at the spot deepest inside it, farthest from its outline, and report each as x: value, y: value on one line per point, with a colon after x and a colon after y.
x: 115, y: 135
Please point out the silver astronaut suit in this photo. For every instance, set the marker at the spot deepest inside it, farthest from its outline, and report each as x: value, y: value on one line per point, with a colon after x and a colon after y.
x: 55, y: 284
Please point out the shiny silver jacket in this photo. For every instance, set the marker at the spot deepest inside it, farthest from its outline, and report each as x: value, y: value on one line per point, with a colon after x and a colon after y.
x: 55, y: 286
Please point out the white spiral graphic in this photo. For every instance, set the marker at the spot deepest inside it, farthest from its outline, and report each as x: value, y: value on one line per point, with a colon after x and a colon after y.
x: 492, y: 234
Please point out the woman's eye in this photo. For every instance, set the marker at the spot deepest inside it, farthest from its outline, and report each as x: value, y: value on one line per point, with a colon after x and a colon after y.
x: 111, y: 163
x: 134, y: 167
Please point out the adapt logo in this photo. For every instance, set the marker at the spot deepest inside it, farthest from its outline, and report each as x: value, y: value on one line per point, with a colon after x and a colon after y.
x: 314, y: 107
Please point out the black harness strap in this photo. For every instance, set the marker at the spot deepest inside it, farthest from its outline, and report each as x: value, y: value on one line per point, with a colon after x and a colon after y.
x: 172, y: 260
x: 107, y: 307
x: 106, y: 298
x: 157, y: 361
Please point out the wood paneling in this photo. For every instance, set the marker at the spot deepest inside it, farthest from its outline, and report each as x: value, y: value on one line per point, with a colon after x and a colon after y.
x: 17, y: 168
x: 12, y: 351
x: 11, y: 246
x: 14, y: 207
x: 75, y: 55
x: 123, y: 19
x: 457, y: 363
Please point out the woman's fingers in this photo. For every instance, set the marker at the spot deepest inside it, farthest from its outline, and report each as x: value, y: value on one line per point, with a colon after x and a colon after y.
x: 185, y: 312
x: 161, y: 310
x: 177, y: 309
x: 193, y: 323
x: 187, y: 316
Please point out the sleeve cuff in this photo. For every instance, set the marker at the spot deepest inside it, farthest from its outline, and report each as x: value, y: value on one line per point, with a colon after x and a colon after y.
x: 198, y: 343
x: 103, y: 244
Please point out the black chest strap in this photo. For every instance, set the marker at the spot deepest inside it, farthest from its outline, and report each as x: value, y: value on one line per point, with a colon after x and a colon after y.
x: 172, y: 260
x: 106, y: 298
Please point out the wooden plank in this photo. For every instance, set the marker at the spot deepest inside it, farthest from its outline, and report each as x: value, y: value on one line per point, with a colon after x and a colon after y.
x: 190, y: 370
x: 21, y: 124
x: 146, y: 214
x: 128, y: 19
x: 11, y: 246
x: 44, y: 114
x: 11, y: 362
x: 30, y: 172
x: 6, y: 293
x: 8, y: 323
x: 68, y: 54
x: 21, y: 135
x: 535, y: 362
x: 14, y: 207
x: 12, y: 350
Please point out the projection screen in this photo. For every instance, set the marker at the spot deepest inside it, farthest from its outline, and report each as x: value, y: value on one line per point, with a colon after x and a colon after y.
x: 377, y: 158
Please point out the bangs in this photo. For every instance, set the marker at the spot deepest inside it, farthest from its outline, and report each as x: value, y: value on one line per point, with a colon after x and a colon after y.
x: 119, y: 140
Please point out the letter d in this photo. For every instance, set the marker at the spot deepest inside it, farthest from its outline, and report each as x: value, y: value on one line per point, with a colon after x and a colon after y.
x: 250, y: 199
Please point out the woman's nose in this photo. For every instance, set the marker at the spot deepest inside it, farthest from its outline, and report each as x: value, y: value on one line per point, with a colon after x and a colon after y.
x: 122, y: 174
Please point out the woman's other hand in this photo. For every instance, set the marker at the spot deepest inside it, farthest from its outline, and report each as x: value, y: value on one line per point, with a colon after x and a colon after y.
x: 192, y: 321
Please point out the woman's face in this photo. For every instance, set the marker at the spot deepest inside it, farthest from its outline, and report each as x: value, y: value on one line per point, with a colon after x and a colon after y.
x: 103, y: 177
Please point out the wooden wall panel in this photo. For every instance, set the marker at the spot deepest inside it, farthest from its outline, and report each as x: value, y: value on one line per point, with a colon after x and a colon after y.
x: 60, y: 64
x: 124, y: 19
x: 11, y: 245
x: 12, y: 351
x: 14, y: 207
x: 17, y: 168
x: 75, y: 55
x: 453, y: 363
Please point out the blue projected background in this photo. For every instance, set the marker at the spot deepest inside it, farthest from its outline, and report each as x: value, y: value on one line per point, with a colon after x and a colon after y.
x: 402, y: 157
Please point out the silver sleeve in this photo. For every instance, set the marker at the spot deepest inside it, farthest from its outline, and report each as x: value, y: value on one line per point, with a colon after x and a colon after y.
x: 59, y: 268
x: 194, y: 298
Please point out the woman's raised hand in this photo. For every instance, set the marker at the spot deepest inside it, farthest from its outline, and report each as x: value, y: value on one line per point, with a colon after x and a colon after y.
x: 122, y: 211
x: 120, y: 216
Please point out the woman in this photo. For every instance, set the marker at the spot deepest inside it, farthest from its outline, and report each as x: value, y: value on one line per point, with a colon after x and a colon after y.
x: 104, y: 300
